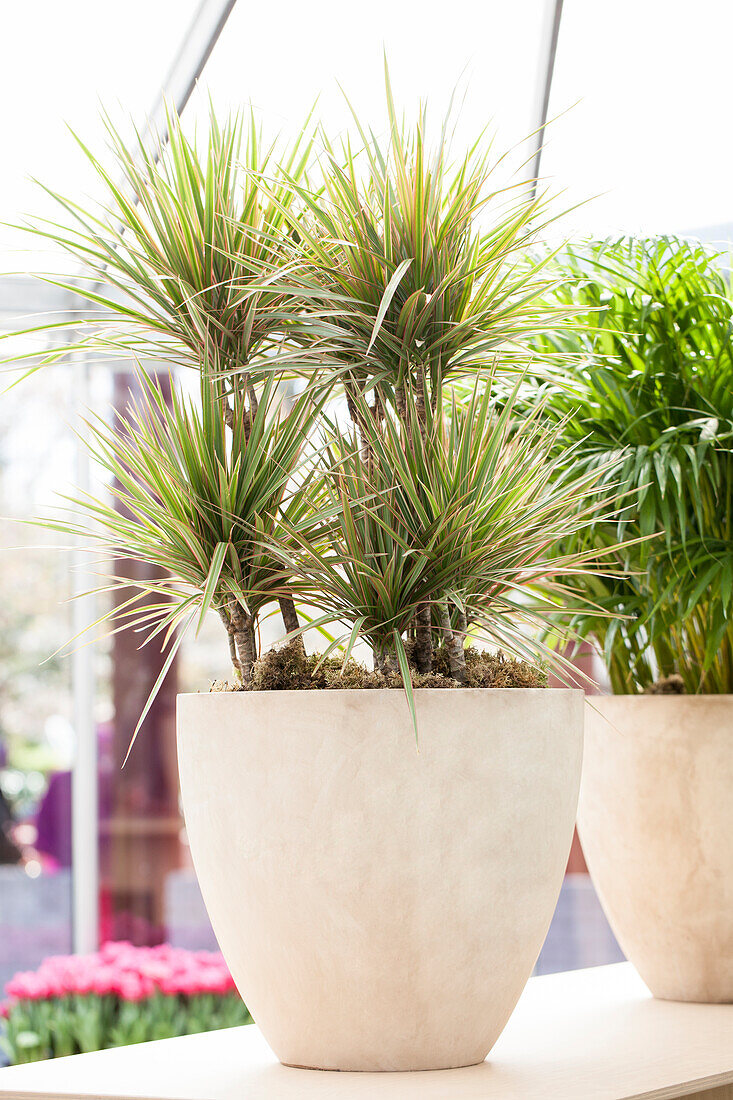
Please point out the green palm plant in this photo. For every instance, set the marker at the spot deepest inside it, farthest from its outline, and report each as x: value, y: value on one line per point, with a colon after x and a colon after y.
x: 648, y: 388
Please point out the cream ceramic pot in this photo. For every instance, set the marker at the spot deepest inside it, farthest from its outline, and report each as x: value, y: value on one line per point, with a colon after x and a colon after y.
x: 380, y: 908
x: 656, y: 825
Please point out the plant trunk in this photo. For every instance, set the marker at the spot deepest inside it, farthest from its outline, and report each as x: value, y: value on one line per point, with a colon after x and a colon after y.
x: 423, y: 640
x: 385, y: 661
x: 247, y: 649
x: 401, y: 404
x: 290, y: 619
x: 420, y: 401
x: 358, y: 421
x: 230, y: 634
x: 240, y: 627
x: 454, y: 645
x: 253, y: 402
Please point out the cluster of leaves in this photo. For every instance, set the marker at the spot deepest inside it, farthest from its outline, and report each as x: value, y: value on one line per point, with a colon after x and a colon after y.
x: 460, y: 515
x: 383, y: 277
x: 210, y: 505
x: 183, y: 259
x: 55, y: 1028
x: 644, y: 388
x: 421, y: 261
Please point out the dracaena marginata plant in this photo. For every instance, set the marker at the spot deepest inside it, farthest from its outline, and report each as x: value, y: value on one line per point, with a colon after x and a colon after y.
x: 377, y: 279
x: 648, y: 387
x: 454, y: 513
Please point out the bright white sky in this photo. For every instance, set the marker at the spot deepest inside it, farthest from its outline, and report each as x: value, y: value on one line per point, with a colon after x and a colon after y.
x: 62, y: 60
x: 641, y: 89
x: 644, y: 85
x: 650, y: 81
x: 488, y: 50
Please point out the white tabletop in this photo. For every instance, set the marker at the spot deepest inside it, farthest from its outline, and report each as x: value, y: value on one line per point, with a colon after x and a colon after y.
x: 585, y: 1035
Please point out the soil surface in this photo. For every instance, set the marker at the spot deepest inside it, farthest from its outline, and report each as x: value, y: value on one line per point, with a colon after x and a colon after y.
x: 669, y: 685
x: 289, y: 668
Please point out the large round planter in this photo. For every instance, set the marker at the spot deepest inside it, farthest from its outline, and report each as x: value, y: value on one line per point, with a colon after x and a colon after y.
x: 656, y: 825
x: 380, y: 908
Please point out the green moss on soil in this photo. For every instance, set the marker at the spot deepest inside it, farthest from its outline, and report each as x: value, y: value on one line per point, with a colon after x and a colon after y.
x: 668, y: 685
x: 289, y: 668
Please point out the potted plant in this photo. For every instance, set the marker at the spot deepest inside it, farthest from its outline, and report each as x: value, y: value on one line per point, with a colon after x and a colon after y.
x: 380, y: 902
x: 651, y: 369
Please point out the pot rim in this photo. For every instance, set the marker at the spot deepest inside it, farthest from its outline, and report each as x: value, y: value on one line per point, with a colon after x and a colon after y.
x: 682, y: 698
x: 319, y: 692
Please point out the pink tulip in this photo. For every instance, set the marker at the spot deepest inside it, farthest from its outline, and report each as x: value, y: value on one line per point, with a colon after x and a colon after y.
x: 83, y: 983
x: 169, y: 985
x: 188, y: 983
x: 55, y: 982
x: 27, y: 986
x: 132, y: 987
x: 132, y: 973
x: 214, y: 980
x: 104, y: 981
x: 155, y: 969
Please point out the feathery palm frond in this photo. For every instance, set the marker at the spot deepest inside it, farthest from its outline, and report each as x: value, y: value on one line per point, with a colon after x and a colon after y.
x: 651, y: 390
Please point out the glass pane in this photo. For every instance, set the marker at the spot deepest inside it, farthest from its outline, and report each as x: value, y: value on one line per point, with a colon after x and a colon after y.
x: 88, y: 55
x: 640, y: 92
x: 36, y: 735
x: 281, y: 63
x: 148, y: 891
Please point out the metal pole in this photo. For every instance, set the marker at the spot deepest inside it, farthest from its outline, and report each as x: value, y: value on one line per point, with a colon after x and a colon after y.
x: 195, y: 50
x: 84, y: 783
x: 190, y: 61
x: 550, y: 33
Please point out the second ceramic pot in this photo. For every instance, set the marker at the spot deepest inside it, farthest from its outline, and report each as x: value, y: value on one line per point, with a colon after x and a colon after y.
x: 656, y: 824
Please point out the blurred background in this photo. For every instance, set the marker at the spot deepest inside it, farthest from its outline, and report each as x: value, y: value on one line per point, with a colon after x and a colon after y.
x: 634, y: 96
